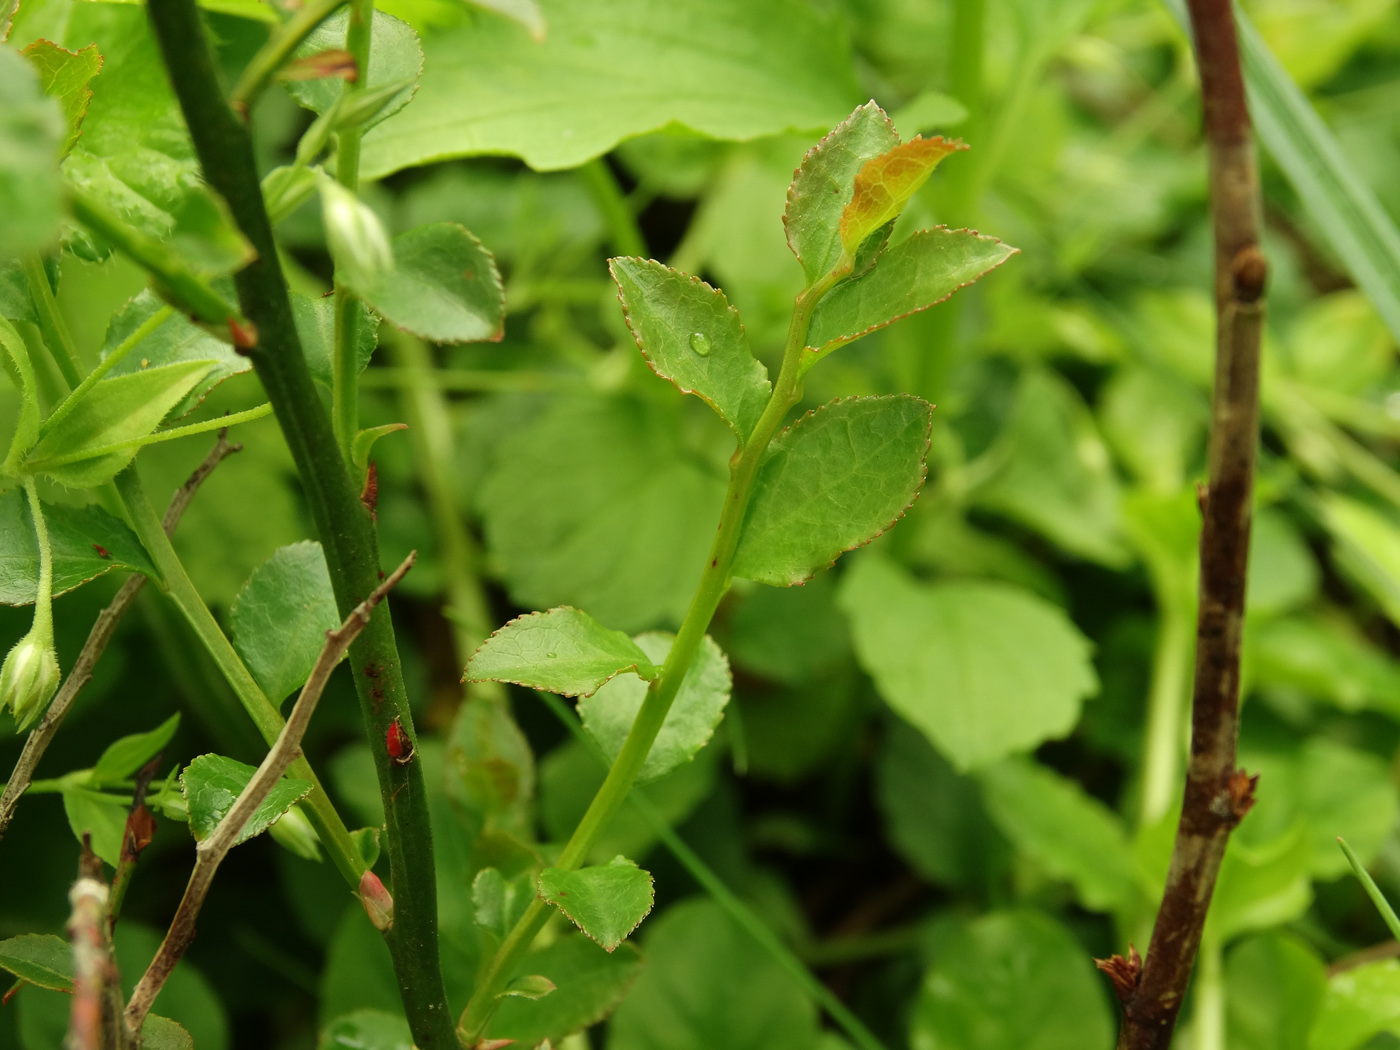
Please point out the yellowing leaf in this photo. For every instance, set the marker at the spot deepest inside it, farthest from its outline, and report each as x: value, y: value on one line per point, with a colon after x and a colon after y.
x: 885, y: 183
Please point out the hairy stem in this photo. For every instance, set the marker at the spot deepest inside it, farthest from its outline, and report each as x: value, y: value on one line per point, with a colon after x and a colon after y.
x: 56, y: 336
x: 1217, y: 795
x: 224, y: 146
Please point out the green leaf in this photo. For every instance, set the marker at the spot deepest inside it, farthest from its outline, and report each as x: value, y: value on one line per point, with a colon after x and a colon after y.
x: 395, y: 55
x: 126, y: 408
x: 497, y: 903
x: 833, y: 481
x: 102, y: 817
x: 176, y: 340
x: 31, y: 133
x: 530, y: 986
x: 1012, y: 979
x: 490, y: 767
x: 913, y: 275
x: 21, y: 372
x: 1343, y: 792
x: 707, y: 983
x: 929, y: 110
x: 65, y: 76
x: 1274, y: 986
x: 1359, y: 1003
x: 823, y: 185
x: 212, y: 783
x: 364, y: 441
x: 607, y: 902
x: 884, y: 184
x: 366, y: 1030
x: 161, y: 1033
x: 790, y: 634
x: 1262, y: 884
x: 1156, y: 423
x: 689, y: 334
x: 315, y: 320
x: 525, y: 12
x: 588, y: 984
x: 698, y: 707
x: 280, y: 618
x: 123, y: 757
x: 39, y: 958
x: 561, y: 651
x: 983, y: 669
x: 1328, y: 658
x: 443, y: 286
x: 1367, y: 545
x: 75, y: 534
x: 612, y: 69
x: 1070, y: 834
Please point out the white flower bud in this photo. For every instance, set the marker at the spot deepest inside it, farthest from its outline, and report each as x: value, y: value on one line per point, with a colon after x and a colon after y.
x: 356, y: 238
x: 29, y: 678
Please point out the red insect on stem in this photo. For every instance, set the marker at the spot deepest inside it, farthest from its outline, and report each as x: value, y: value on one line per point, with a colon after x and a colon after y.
x: 397, y: 743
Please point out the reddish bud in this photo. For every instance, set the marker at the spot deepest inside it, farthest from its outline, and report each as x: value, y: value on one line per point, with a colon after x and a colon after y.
x: 398, y: 744
x: 1124, y: 973
x: 244, y: 333
x: 379, y: 906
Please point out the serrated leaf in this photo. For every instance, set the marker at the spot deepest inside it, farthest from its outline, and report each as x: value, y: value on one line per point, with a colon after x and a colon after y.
x: 689, y: 334
x: 984, y: 670
x: 395, y: 55
x: 607, y: 902
x: 833, y: 481
x: 31, y: 133
x: 561, y: 651
x: 126, y: 408
x: 174, y: 340
x: 211, y: 784
x: 824, y: 183
x: 41, y: 959
x: 884, y: 184
x: 443, y: 286
x: 280, y: 618
x: 161, y: 1033
x: 697, y: 709
x: 124, y: 756
x: 366, y: 1030
x: 64, y: 76
x: 611, y: 69
x: 75, y: 534
x: 588, y: 982
x: 915, y: 274
x: 315, y: 321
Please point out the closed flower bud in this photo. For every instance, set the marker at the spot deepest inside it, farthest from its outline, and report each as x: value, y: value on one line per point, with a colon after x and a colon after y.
x: 29, y: 679
x: 356, y: 238
x: 379, y: 906
x: 293, y: 831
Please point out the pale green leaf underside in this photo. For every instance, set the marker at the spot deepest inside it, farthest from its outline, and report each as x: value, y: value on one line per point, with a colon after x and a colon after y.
x: 39, y: 958
x: 31, y: 133
x: 366, y: 1030
x: 823, y: 185
x: 913, y: 275
x: 280, y: 618
x: 689, y: 334
x: 64, y: 75
x: 608, y: 70
x: 588, y: 984
x: 315, y: 321
x: 984, y: 670
x: 833, y: 481
x: 560, y: 651
x: 443, y: 286
x: 607, y: 902
x: 211, y: 784
x: 75, y: 533
x: 124, y: 756
x: 395, y: 55
x: 699, y: 705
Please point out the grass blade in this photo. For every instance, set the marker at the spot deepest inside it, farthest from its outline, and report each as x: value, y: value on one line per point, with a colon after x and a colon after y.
x: 1372, y: 890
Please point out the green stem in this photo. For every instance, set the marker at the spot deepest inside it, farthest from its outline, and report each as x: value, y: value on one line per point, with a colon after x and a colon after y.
x: 159, y: 436
x: 181, y: 590
x: 224, y: 146
x: 104, y: 366
x: 1208, y: 1023
x: 285, y: 39
x: 1165, y: 743
x: 1372, y: 890
x: 714, y: 583
x: 56, y: 335
x: 43, y: 600
x: 471, y: 381
x: 623, y: 231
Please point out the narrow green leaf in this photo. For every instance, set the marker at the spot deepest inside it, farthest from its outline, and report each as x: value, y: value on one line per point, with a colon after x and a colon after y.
x: 607, y: 902
x: 31, y: 133
x: 1372, y: 890
x: 823, y: 185
x: 364, y: 442
x: 315, y: 320
x: 689, y: 334
x: 15, y: 358
x: 86, y: 542
x: 115, y: 410
x: 124, y: 756
x: 395, y: 55
x: 588, y: 983
x: 65, y: 76
x: 212, y: 783
x: 560, y: 651
x: 530, y: 986
x: 833, y: 481
x: 280, y: 618
x: 699, y: 705
x: 366, y: 1030
x: 915, y: 274
x: 41, y: 959
x: 928, y: 111
x: 443, y: 286
x: 983, y: 669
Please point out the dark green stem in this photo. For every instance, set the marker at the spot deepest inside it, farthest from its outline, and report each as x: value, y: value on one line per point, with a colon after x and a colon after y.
x: 224, y: 147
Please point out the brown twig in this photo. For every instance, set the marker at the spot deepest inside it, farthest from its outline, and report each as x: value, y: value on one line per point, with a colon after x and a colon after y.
x: 95, y: 1018
x: 1217, y: 795
x: 209, y: 854
x: 102, y: 630
x: 136, y: 836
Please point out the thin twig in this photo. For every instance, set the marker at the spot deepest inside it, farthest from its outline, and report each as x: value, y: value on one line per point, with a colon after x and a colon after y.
x: 136, y: 836
x: 1217, y: 794
x: 102, y: 630
x: 95, y: 1018
x: 210, y: 853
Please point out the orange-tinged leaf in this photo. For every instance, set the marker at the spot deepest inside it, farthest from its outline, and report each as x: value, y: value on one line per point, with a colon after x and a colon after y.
x: 885, y: 183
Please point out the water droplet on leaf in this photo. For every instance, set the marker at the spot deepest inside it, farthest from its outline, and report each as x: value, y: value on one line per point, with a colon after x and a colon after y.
x: 700, y: 343
x: 552, y: 656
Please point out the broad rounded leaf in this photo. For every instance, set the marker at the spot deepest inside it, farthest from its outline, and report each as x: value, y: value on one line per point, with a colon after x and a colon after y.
x: 64, y: 75
x: 561, y: 651
x: 85, y: 541
x: 124, y: 756
x: 1358, y: 1004
x: 443, y: 286
x: 698, y: 707
x: 280, y: 618
x: 607, y: 902
x: 39, y: 958
x: 366, y: 1030
x: 588, y: 984
x: 824, y: 183
x: 833, y: 481
x: 1274, y: 985
x: 395, y: 55
x: 161, y: 1033
x: 689, y: 334
x: 31, y: 134
x: 985, y: 670
x: 884, y: 184
x: 211, y: 784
